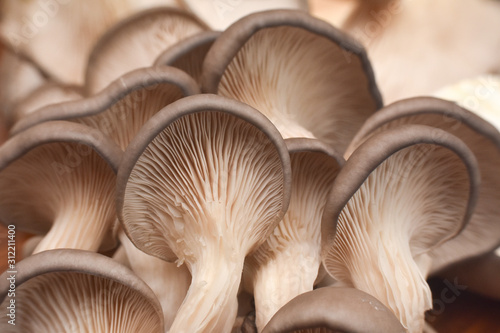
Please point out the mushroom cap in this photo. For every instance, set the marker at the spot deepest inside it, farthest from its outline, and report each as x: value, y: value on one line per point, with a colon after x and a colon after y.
x: 219, y: 15
x: 483, y: 139
x: 147, y: 33
x: 309, y: 78
x: 287, y: 263
x: 205, y: 120
x: 38, y: 164
x: 305, y: 155
x: 189, y: 53
x: 48, y: 94
x: 401, y: 194
x: 123, y: 107
x: 334, y: 309
x: 380, y: 148
x: 60, y: 288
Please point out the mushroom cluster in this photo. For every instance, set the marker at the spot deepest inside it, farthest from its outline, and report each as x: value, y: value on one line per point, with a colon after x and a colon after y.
x: 178, y: 172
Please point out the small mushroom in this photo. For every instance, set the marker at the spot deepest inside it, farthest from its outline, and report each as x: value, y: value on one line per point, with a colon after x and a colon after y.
x: 482, y: 233
x: 135, y: 43
x: 58, y: 179
x: 205, y: 182
x: 401, y: 194
x: 287, y: 264
x: 189, y: 54
x: 310, y: 79
x: 220, y: 14
x: 77, y: 291
x: 334, y: 310
x: 169, y: 282
x: 121, y: 109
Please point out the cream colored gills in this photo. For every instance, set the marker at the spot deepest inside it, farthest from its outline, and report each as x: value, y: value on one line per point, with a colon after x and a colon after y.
x: 79, y: 291
x: 287, y: 264
x: 418, y: 198
x: 307, y: 77
x: 212, y: 186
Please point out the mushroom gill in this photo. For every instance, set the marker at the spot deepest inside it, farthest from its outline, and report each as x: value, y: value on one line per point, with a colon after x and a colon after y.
x: 207, y: 179
x: 400, y: 195
x: 307, y: 77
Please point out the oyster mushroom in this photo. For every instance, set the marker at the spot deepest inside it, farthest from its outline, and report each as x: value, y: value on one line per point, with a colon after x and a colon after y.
x: 122, y: 108
x: 310, y: 79
x: 135, y: 43
x: 482, y: 233
x: 205, y: 181
x: 58, y: 179
x: 288, y: 262
x: 77, y: 291
x: 189, y: 54
x: 401, y: 194
x: 334, y: 310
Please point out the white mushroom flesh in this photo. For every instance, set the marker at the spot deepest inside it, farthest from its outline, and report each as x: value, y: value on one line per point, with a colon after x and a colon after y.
x: 409, y: 203
x: 208, y: 187
x: 287, y: 264
x: 68, y: 186
x: 78, y: 302
x: 304, y: 83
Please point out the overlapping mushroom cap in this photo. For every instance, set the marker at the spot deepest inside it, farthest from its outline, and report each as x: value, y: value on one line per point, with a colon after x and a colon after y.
x: 308, y: 78
x: 59, y: 178
x: 121, y: 109
x: 334, y: 310
x: 482, y: 234
x: 401, y: 194
x: 189, y: 54
x: 287, y: 264
x: 205, y: 181
x: 136, y: 43
x: 77, y: 291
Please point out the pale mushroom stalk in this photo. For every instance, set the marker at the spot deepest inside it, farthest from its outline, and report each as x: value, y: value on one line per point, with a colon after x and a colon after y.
x: 287, y: 264
x: 401, y: 194
x: 169, y: 282
x: 291, y: 272
x: 214, y: 289
x: 213, y: 185
x: 62, y: 176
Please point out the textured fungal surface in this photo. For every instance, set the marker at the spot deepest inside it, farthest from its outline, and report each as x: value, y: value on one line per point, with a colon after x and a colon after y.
x: 65, y: 184
x: 303, y: 83
x: 78, y: 302
x: 411, y: 202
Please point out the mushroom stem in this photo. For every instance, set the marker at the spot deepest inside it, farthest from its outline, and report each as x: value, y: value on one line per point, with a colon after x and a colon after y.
x: 211, y: 303
x: 70, y: 223
x: 381, y: 268
x: 291, y: 272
